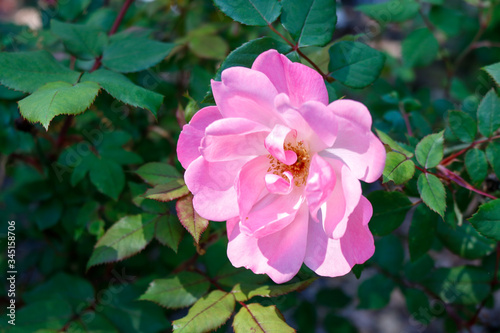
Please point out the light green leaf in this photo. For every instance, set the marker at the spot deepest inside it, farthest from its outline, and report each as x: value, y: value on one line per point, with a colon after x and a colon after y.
x: 355, y: 64
x: 494, y: 72
x: 56, y: 98
x: 28, y: 71
x: 493, y: 155
x: 244, y: 292
x: 488, y: 114
x: 207, y: 314
x: 124, y: 90
x: 83, y: 41
x: 420, y: 48
x: 108, y: 177
x: 310, y: 22
x: 209, y: 47
x: 259, y: 319
x: 169, y: 231
x: 487, y: 220
x: 398, y: 168
x: 387, y: 140
x: 430, y: 150
x: 251, y: 12
x: 125, y: 238
x: 134, y: 54
x: 389, y: 211
x: 391, y: 11
x: 169, y: 191
x: 194, y: 223
x: 432, y: 192
x: 422, y: 231
x: 156, y: 173
x: 177, y: 291
x: 465, y: 241
x: 476, y: 165
x: 462, y: 125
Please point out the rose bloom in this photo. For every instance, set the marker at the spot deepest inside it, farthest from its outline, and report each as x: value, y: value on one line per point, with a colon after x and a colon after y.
x: 283, y: 168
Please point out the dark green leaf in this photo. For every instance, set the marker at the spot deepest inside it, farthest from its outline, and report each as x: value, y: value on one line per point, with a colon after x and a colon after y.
x: 389, y: 254
x: 476, y: 165
x: 334, y: 298
x: 207, y: 314
x: 494, y: 71
x: 355, y: 64
x: 487, y: 220
x: 460, y: 285
x: 420, y: 48
x: 336, y: 324
x: 462, y: 125
x: 389, y: 211
x: 488, y: 114
x: 194, y: 223
x: 134, y: 54
x: 46, y: 314
x: 169, y: 231
x: 259, y: 319
x: 375, y: 292
x: 121, y: 88
x: 391, y: 11
x: 432, y: 192
x: 398, y: 168
x: 465, y: 241
x: 310, y: 22
x: 56, y: 98
x: 70, y: 10
x: 83, y: 41
x: 48, y: 214
x: 416, y: 271
x: 177, y: 291
x: 156, y: 173
x: 251, y: 12
x: 429, y: 150
x: 108, y: 177
x: 418, y: 306
x: 125, y: 238
x: 422, y: 231
x: 493, y: 155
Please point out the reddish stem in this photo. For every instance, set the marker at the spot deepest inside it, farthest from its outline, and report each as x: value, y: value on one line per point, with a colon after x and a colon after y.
x: 450, y: 158
x: 120, y: 16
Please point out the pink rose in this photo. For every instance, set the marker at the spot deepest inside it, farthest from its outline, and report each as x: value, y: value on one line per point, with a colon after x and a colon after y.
x: 282, y: 167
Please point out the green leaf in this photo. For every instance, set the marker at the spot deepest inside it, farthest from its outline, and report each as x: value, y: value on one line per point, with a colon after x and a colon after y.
x: 259, y: 319
x: 388, y: 141
x: 333, y: 323
x: 169, y: 191
x: 447, y: 19
x: 375, y: 292
x: 169, y: 231
x: 124, y: 90
x: 422, y: 231
x: 476, y: 165
x: 432, y: 192
x: 28, y: 71
x: 355, y: 64
x: 398, y: 168
x: 244, y: 292
x: 177, y: 291
x: 493, y: 155
x: 251, y: 12
x: 83, y: 41
x: 462, y: 125
x: 56, y: 98
x: 465, y: 241
x: 108, y: 177
x: 246, y: 54
x: 488, y: 114
x: 310, y: 22
x: 125, y: 238
x: 207, y: 314
x: 494, y: 71
x: 389, y: 254
x: 48, y: 214
x: 209, y: 47
x: 134, y: 54
x: 334, y: 298
x: 98, y: 324
x: 194, y: 223
x: 487, y: 220
x: 156, y: 173
x: 78, y: 292
x: 46, y: 314
x: 417, y: 302
x: 391, y: 11
x: 465, y: 285
x: 430, y: 150
x: 389, y: 211
x: 420, y: 48
x: 70, y: 10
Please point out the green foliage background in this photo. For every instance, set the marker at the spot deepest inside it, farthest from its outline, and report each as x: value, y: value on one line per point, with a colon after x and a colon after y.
x: 106, y: 239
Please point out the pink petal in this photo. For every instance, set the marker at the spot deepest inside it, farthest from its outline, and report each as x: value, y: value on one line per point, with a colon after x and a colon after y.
x: 336, y: 257
x: 320, y: 184
x: 192, y: 134
x: 279, y: 255
x: 277, y: 185
x: 245, y: 93
x: 251, y: 185
x: 356, y: 145
x: 298, y: 81
x: 212, y: 184
x: 233, y: 138
x: 342, y: 201
x: 275, y: 144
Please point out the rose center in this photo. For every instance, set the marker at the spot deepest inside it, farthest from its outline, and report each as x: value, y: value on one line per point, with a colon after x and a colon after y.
x: 299, y: 170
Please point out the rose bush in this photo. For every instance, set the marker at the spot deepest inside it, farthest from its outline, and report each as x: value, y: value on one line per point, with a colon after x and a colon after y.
x: 283, y: 167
